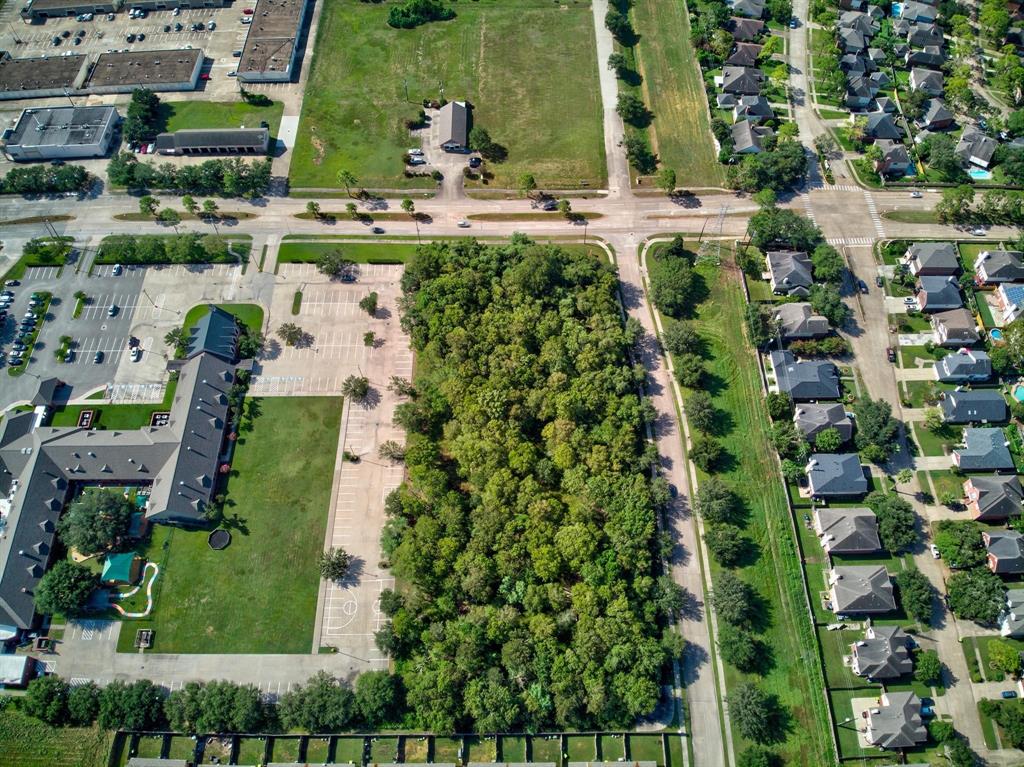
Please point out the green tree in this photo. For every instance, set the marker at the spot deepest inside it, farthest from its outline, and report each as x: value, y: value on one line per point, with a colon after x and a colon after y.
x: 715, y: 502
x: 740, y: 648
x: 734, y: 601
x: 941, y: 731
x: 667, y: 181
x: 756, y: 713
x: 828, y: 264
x: 916, y: 595
x: 83, y: 704
x: 757, y: 756
x: 47, y: 699
x: 184, y: 707
x: 355, y: 387
x: 210, y: 208
x: 955, y: 205
x: 828, y: 440
x: 689, y: 369
x: 933, y: 420
x: 290, y: 333
x: 527, y: 183
x: 135, y: 705
x: 928, y: 668
x: 783, y: 228
x: 323, y: 704
x: 169, y: 217
x: 348, y: 180
x: 148, y: 205
x: 706, y: 452
x: 682, y: 338
x: 976, y: 595
x: 96, y: 521
x: 377, y: 698
x: 369, y: 303
x: 618, y: 64
x: 313, y: 209
x: 877, y: 431
x: 334, y: 564
x: 1003, y: 656
x: 333, y: 263
x: 65, y: 588
x: 408, y: 205
x: 229, y: 707
x: 826, y: 301
x: 188, y: 203
x: 960, y: 543
x: 632, y: 110
x: 701, y: 411
x: 896, y: 521
x: 780, y: 406
x: 726, y: 543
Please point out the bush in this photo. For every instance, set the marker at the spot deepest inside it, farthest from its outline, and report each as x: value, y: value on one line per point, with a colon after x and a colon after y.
x: 187, y: 248
x: 733, y: 600
x: 725, y: 542
x: 977, y: 595
x: 323, y: 704
x: 46, y: 179
x: 230, y: 177
x: 715, y: 502
x: 740, y: 648
x: 780, y: 406
x: 413, y: 13
x: 706, y: 452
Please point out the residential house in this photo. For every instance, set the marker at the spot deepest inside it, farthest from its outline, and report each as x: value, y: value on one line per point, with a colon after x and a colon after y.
x: 725, y: 100
x: 932, y: 258
x: 895, y: 161
x: 994, y: 498
x: 752, y: 9
x: 798, y: 321
x: 859, y: 91
x: 860, y: 590
x: 926, y: 80
x: 853, y: 63
x: 955, y: 328
x: 881, y: 126
x: 915, y: 11
x: 979, y: 406
x: 851, y: 40
x: 885, y: 104
x: 790, y: 273
x: 1005, y: 551
x: 16, y: 670
x: 975, y: 148
x: 897, y: 722
x: 847, y: 531
x: 879, y: 79
x: 1011, y: 622
x: 812, y: 418
x: 748, y: 138
x: 876, y: 56
x: 935, y: 116
x: 964, y: 365
x: 883, y: 654
x: 1010, y: 299
x: 983, y: 449
x: 744, y: 55
x: 925, y: 34
x: 453, y: 127
x: 743, y: 81
x: 995, y: 266
x: 901, y: 27
x: 931, y: 57
x: 936, y: 294
x: 745, y: 30
x: 804, y: 379
x: 859, y: 21
x: 754, y: 109
x: 836, y: 475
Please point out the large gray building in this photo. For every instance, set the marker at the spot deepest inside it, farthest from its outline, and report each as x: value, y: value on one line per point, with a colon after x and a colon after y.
x: 168, y: 70
x: 66, y: 133
x: 42, y: 468
x: 55, y: 9
x: 214, y: 141
x: 42, y: 77
x: 271, y: 46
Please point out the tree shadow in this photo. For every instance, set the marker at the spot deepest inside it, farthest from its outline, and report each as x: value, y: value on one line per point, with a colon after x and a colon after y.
x: 695, y: 658
x: 691, y: 608
x: 356, y: 567
x: 371, y: 400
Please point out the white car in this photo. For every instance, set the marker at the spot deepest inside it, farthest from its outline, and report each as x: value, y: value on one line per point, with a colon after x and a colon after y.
x: 909, y: 300
x: 136, y: 354
x: 916, y: 195
x: 978, y: 232
x: 463, y: 224
x: 415, y: 152
x: 935, y: 551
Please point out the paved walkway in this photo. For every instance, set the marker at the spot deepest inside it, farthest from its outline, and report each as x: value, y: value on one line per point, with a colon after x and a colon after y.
x: 614, y: 131
x: 916, y: 374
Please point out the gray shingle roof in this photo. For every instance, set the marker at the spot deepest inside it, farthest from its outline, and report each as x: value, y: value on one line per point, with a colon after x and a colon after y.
x: 814, y: 417
x: 858, y: 589
x: 964, y: 365
x: 983, y: 405
x: 898, y: 721
x: 744, y: 55
x: 216, y: 332
x: 742, y: 80
x: 752, y: 8
x: 935, y: 114
x: 997, y: 497
x: 848, y: 531
x: 881, y: 125
x: 1000, y: 266
x: 798, y: 320
x: 1005, y: 551
x: 790, y: 271
x: 453, y: 124
x: 836, y: 475
x: 1011, y: 622
x: 882, y: 654
x: 984, y: 449
x: 250, y: 139
x: 933, y: 258
x: 938, y: 293
x: 956, y: 326
x: 804, y: 379
x: 975, y: 147
x: 927, y: 80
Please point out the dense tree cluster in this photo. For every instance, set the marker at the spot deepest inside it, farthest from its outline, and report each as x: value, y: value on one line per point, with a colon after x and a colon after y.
x: 189, y: 248
x: 781, y: 168
x: 960, y: 543
x: 65, y: 588
x: 895, y: 521
x: 46, y: 179
x: 917, y: 594
x: 230, y: 176
x: 413, y: 13
x: 877, y: 434
x: 97, y: 521
x: 676, y: 286
x: 977, y: 595
x: 143, y: 120
x: 526, y: 530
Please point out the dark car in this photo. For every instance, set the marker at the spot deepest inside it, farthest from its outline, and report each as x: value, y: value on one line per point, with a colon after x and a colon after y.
x: 863, y: 286
x: 178, y: 27
x: 890, y: 354
x: 97, y: 357
x: 348, y: 277
x: 130, y: 37
x: 142, y: 36
x: 474, y: 162
x: 377, y: 230
x: 56, y: 163
x: 879, y: 282
x: 66, y: 33
x: 167, y: 27
x: 1008, y: 694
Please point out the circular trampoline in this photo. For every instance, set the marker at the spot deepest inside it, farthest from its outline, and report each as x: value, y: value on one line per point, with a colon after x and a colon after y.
x: 219, y: 539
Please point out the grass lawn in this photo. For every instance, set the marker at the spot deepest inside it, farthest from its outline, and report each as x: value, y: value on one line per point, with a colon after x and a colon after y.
x: 646, y: 748
x: 910, y: 323
x: 348, y: 750
x: 317, y: 750
x: 611, y: 748
x: 795, y: 673
x: 251, y: 751
x: 481, y: 749
x: 513, y: 748
x: 17, y: 270
x: 833, y: 114
x: 918, y: 391
x: 259, y: 594
x: 115, y: 416
x: 220, y: 114
x: 512, y: 60
x: 909, y: 355
x: 674, y: 92
x: 947, y: 482
x: 285, y: 750
x: 582, y: 748
x: 27, y: 742
x: 932, y: 443
x: 360, y: 252
x: 985, y: 310
x: 250, y: 315
x: 542, y: 750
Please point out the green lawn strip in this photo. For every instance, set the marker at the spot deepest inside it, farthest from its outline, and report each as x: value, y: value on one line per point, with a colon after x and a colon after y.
x: 367, y: 79
x: 933, y: 443
x: 543, y: 750
x: 513, y: 748
x: 947, y: 482
x: 910, y: 323
x: 182, y: 747
x: 646, y: 748
x: 285, y: 749
x: 611, y: 748
x: 674, y: 91
x: 759, y: 290
x: 967, y: 645
x: 250, y: 315
x: 537, y: 216
x: 361, y: 253
x: 986, y: 311
x: 182, y: 115
x: 318, y: 750
x: 223, y: 215
x: 17, y: 270
x: 241, y: 244
x: 35, y: 220
x: 988, y: 729
x: 251, y: 751
x: 846, y: 725
x: 28, y: 742
x: 115, y: 416
x: 259, y: 594
x: 835, y: 645
x: 917, y: 391
x: 348, y: 750
x: 833, y: 114
x: 150, y: 746
x: 796, y: 676
x: 481, y: 749
x: 910, y: 354
x: 297, y: 302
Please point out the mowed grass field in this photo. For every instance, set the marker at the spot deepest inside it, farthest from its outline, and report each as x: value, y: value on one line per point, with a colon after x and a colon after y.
x: 27, y: 742
x: 259, y: 594
x: 221, y: 114
x: 529, y: 68
x: 794, y: 671
x: 674, y: 92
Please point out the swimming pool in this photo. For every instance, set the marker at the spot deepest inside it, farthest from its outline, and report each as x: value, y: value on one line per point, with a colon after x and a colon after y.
x: 996, y: 334
x: 980, y: 174
x: 897, y: 9
x: 1018, y: 393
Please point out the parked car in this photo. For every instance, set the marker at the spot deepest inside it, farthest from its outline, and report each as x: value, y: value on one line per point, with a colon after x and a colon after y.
x: 475, y: 162
x: 97, y: 358
x: 112, y: 310
x: 890, y: 354
x: 463, y: 224
x: 862, y: 286
x: 978, y: 231
x: 916, y: 195
x: 935, y: 551
x: 417, y: 161
x: 248, y: 11
x: 11, y: 284
x: 909, y: 301
x: 69, y: 355
x: 167, y: 27
x: 204, y: 76
x: 178, y: 27
x: 55, y: 41
x: 415, y: 152
x: 136, y: 354
x: 348, y: 277
x: 377, y: 230
x: 130, y: 37
x: 116, y: 271
x: 141, y: 36
x: 879, y: 282
x: 110, y: 17
x: 176, y: 12
x: 237, y: 54
x: 1008, y: 694
x: 211, y: 26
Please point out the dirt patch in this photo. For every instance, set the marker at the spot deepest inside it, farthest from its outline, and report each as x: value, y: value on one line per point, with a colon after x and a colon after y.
x: 319, y: 150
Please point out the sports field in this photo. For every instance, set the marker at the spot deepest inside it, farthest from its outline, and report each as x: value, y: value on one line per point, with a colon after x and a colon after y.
x: 529, y: 68
x: 674, y: 92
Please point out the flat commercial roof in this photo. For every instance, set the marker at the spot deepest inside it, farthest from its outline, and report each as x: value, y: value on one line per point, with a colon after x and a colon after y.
x: 51, y: 5
x: 61, y: 126
x: 42, y: 73
x: 144, y: 68
x: 272, y: 36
